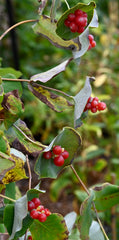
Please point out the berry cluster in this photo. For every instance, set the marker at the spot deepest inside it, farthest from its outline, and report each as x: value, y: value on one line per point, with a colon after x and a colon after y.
x: 37, y: 211
x: 58, y: 154
x: 76, y: 21
x: 94, y: 105
x: 92, y: 43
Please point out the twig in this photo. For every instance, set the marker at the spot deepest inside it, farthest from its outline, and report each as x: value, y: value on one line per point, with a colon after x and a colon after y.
x: 8, y: 198
x: 15, y: 79
x: 29, y: 170
x: 67, y: 4
x: 55, y: 90
x: 16, y: 25
x: 85, y: 188
x: 36, y: 143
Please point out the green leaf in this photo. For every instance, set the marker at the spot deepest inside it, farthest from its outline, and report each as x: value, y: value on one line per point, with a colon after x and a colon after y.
x: 27, y: 221
x: 17, y: 173
x: 9, y: 86
x: 75, y: 235
x: 1, y: 214
x: 9, y: 217
x: 4, y: 144
x: 10, y: 192
x: 63, y: 31
x: 1, y: 94
x: 46, y: 76
x: 13, y: 107
x: 85, y: 218
x: 48, y: 30
x: 6, y: 163
x: 55, y: 102
x: 95, y: 232
x: 21, y: 136
x: 20, y: 212
x: 33, y: 193
x: 105, y: 196
x: 54, y: 228
x: 80, y: 101
x: 68, y: 139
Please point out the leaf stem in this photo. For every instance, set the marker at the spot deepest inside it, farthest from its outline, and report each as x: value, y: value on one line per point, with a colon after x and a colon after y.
x: 36, y: 143
x: 55, y: 90
x: 79, y: 179
x: 16, y: 25
x: 15, y: 79
x: 29, y: 171
x: 67, y: 4
x: 8, y: 198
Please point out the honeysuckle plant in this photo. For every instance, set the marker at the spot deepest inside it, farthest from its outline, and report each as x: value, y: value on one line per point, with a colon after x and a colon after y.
x: 26, y: 218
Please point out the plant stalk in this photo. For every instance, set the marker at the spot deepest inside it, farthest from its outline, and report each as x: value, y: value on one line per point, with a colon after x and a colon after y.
x: 8, y: 198
x: 16, y: 25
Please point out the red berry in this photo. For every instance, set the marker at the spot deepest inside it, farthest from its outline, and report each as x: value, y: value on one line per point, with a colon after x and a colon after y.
x: 94, y: 110
x: 31, y: 205
x: 40, y: 208
x: 89, y: 46
x: 94, y: 103
x: 59, y: 161
x: 30, y: 238
x: 81, y: 21
x: 47, y: 212
x: 36, y: 201
x: 34, y: 214
x: 65, y: 154
x: 57, y: 150
x: 88, y: 105
x: 90, y: 99
x: 47, y: 155
x: 101, y: 106
x: 78, y: 12
x: 93, y: 44
x: 80, y: 29
x: 73, y: 27
x: 67, y: 22
x: 90, y: 37
x: 96, y: 98
x: 85, y: 14
x: 42, y: 217
x: 71, y: 17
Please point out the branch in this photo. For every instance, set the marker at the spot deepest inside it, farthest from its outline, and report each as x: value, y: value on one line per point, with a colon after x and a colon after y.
x: 16, y: 25
x: 8, y: 198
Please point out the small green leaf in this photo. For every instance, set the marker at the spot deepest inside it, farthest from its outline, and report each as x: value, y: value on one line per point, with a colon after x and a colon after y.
x: 48, y: 30
x: 46, y: 76
x: 21, y: 136
x: 55, y: 102
x: 54, y: 228
x: 81, y: 99
x: 85, y: 218
x: 33, y: 193
x: 1, y: 214
x: 105, y: 196
x: 10, y: 191
x: 9, y: 217
x: 68, y: 139
x: 4, y: 144
x: 13, y: 107
x: 9, y: 86
x: 63, y: 31
x: 6, y: 163
x: 75, y: 235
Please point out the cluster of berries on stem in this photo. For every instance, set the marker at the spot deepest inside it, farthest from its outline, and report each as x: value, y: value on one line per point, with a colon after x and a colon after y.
x: 58, y: 154
x: 95, y: 105
x: 76, y: 21
x: 37, y: 211
x: 92, y: 42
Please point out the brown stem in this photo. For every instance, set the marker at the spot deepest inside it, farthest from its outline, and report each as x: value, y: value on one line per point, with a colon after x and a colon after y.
x: 16, y: 25
x: 29, y: 170
x: 56, y: 90
x: 15, y: 79
x: 8, y: 198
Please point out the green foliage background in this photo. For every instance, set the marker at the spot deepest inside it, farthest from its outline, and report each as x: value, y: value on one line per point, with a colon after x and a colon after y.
x: 100, y: 132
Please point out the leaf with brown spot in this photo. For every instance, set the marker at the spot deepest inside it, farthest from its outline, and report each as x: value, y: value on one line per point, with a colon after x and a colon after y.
x: 17, y: 173
x: 23, y: 140
x: 48, y: 30
x: 55, y: 102
x: 13, y: 107
x: 6, y: 164
x: 4, y: 144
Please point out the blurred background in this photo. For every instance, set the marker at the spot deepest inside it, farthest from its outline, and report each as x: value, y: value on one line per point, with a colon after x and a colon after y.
x: 31, y: 54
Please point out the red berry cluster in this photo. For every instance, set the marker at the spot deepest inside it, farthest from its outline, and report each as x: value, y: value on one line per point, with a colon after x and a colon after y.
x: 76, y: 21
x: 58, y: 154
x: 37, y: 211
x: 94, y: 105
x: 92, y: 43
